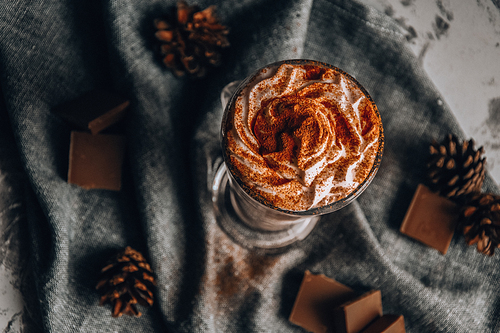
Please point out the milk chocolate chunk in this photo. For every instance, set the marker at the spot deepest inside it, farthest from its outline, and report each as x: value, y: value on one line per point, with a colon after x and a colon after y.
x: 430, y: 219
x: 353, y: 316
x: 95, y: 161
x: 388, y: 323
x: 316, y: 298
x: 94, y: 110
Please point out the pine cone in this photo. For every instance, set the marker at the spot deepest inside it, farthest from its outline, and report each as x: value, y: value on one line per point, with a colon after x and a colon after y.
x: 455, y: 169
x: 480, y: 221
x: 126, y: 281
x: 191, y: 40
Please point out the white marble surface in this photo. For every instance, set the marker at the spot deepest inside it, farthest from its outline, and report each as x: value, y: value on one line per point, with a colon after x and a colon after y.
x: 458, y: 43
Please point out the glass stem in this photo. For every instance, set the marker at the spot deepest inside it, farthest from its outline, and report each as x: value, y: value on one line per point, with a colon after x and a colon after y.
x: 258, y: 216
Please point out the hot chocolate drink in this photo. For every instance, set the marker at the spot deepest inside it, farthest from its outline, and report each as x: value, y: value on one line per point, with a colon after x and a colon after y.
x: 300, y: 135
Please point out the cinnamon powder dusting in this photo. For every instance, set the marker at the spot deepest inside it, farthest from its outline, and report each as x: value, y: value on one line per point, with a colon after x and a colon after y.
x: 294, y: 136
x: 238, y: 273
x: 314, y: 72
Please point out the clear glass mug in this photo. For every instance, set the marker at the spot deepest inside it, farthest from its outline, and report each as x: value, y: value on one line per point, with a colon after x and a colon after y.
x: 251, y: 221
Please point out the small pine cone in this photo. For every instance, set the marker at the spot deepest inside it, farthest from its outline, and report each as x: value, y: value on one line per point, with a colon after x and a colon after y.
x: 455, y: 169
x: 191, y: 40
x: 126, y: 281
x: 480, y: 222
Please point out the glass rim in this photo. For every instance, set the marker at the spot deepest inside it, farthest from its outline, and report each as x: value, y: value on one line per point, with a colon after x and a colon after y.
x: 336, y: 205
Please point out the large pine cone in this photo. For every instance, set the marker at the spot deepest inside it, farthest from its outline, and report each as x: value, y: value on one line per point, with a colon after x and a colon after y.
x: 191, y: 40
x: 480, y: 222
x: 455, y: 169
x: 126, y: 281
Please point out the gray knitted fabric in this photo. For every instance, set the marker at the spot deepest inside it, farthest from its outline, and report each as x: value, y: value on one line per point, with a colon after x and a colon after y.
x: 54, y: 51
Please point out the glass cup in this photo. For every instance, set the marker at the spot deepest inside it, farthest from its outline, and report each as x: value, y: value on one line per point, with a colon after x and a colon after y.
x: 251, y: 221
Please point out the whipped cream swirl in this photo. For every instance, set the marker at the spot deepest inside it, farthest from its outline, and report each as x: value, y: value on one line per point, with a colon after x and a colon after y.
x: 301, y: 136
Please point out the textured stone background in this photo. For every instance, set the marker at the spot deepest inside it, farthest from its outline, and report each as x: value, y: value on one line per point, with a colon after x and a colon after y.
x: 458, y: 43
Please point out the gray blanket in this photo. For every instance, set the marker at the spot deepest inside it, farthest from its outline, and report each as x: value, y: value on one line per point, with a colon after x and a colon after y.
x: 53, y: 51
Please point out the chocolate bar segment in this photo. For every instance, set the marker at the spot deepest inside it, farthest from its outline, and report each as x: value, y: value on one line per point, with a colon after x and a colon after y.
x: 430, y: 219
x: 387, y: 324
x: 316, y: 298
x: 353, y: 316
x: 95, y: 161
x: 94, y: 110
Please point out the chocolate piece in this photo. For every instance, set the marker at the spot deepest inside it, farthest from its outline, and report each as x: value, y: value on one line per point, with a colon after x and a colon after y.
x: 95, y: 161
x: 387, y: 324
x: 430, y: 219
x: 317, y: 295
x: 353, y: 316
x: 94, y: 110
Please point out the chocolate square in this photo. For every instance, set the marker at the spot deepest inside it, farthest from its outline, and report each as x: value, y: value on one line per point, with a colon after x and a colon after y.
x: 316, y: 298
x: 430, y: 219
x: 353, y: 316
x: 95, y: 161
x: 388, y: 323
x: 94, y: 110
